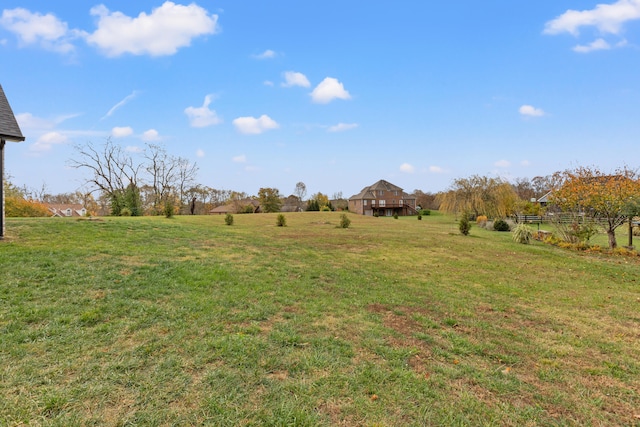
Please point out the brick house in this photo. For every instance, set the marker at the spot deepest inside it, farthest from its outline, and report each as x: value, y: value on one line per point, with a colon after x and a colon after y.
x: 383, y: 199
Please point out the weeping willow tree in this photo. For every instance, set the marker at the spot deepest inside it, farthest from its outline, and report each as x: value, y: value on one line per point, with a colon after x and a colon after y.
x: 479, y: 195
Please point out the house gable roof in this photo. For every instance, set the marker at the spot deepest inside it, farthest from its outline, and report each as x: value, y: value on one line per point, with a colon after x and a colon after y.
x: 9, y: 129
x: 370, y: 191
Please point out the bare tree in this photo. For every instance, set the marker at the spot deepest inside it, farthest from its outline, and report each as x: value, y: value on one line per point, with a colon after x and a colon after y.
x: 156, y: 178
x: 112, y: 168
x: 300, y: 192
x: 169, y: 176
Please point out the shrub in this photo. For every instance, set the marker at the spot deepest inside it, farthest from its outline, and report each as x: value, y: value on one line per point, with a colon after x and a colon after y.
x: 500, y: 225
x: 281, y: 221
x: 425, y: 212
x: 345, y: 222
x: 16, y: 206
x: 522, y: 234
x: 125, y: 212
x: 481, y: 220
x: 419, y: 217
x: 464, y: 225
x: 395, y: 216
x: 228, y: 219
x: 169, y: 208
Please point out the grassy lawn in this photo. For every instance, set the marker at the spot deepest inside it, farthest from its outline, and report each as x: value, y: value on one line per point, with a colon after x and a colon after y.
x: 187, y: 321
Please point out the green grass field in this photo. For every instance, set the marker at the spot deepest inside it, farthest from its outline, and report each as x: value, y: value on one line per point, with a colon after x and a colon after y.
x: 188, y: 321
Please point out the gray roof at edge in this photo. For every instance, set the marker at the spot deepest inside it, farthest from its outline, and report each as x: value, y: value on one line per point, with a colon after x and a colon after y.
x: 9, y: 129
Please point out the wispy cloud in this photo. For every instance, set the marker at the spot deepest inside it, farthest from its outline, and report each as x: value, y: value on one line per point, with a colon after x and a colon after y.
x: 240, y: 159
x: 436, y: 169
x: 200, y: 153
x: 342, y: 127
x: 47, y: 141
x: 407, y: 168
x: 502, y: 163
x: 121, y: 104
x: 28, y: 121
x: 134, y: 149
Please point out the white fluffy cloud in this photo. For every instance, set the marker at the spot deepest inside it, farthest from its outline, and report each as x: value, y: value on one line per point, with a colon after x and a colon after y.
x: 162, y: 32
x: 607, y: 18
x: 254, y: 126
x: 200, y: 153
x: 200, y: 117
x: 150, y: 135
x: 121, y: 132
x: 292, y: 78
x: 531, y: 111
x: 342, y: 127
x: 46, y: 31
x: 328, y: 90
x: 407, y: 168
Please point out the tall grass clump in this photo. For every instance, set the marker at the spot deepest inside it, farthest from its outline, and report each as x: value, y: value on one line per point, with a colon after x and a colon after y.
x: 281, y: 221
x: 522, y: 234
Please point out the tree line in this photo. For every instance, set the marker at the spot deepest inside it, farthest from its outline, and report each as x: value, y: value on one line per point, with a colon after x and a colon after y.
x: 154, y: 182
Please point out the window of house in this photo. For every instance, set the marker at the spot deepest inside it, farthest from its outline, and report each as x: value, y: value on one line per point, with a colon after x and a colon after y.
x: 68, y: 212
x: 382, y: 202
x: 365, y: 203
x: 380, y: 192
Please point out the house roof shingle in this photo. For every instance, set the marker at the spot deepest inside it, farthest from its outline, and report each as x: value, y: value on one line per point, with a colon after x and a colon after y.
x: 9, y: 129
x: 369, y: 192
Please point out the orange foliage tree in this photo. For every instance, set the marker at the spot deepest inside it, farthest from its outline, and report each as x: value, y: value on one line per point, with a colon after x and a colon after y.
x: 16, y: 206
x: 603, y: 197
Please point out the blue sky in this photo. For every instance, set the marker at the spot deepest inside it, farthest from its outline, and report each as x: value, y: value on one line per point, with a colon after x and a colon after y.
x: 336, y: 94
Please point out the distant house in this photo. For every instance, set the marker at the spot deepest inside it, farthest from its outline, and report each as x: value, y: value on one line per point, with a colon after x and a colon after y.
x: 238, y: 206
x: 66, y: 210
x: 291, y: 204
x: 383, y: 199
